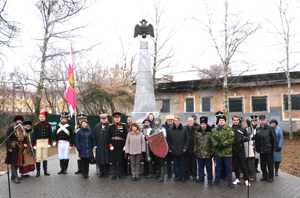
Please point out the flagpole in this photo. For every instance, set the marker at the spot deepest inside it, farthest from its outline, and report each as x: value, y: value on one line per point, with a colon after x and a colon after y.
x: 75, y: 114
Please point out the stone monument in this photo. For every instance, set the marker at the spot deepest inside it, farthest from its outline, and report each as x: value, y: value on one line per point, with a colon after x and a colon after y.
x: 144, y: 102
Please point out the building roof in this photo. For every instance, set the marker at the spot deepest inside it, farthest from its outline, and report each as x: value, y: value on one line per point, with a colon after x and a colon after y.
x: 233, y: 82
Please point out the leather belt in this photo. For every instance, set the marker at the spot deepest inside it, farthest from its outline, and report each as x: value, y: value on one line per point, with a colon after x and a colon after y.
x: 117, y: 138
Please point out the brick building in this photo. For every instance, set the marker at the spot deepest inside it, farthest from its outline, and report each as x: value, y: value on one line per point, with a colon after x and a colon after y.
x: 259, y: 94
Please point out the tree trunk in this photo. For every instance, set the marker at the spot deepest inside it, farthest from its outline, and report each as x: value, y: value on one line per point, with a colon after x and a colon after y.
x: 225, y: 93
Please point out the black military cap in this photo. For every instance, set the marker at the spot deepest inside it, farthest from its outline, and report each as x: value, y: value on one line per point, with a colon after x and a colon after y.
x: 203, y: 119
x: 64, y: 115
x: 194, y: 116
x: 261, y: 117
x: 253, y: 117
x: 82, y: 116
x: 27, y: 122
x: 222, y: 117
x: 117, y: 114
x: 146, y: 120
x: 219, y: 113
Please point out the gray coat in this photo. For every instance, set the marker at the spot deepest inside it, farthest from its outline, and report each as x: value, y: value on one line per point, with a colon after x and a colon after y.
x: 135, y: 143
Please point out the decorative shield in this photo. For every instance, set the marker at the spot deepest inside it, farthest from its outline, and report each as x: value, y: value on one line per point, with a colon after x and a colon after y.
x: 158, y: 144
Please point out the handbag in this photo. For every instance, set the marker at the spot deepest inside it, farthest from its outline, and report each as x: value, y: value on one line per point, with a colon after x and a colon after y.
x: 28, y: 157
x: 92, y: 160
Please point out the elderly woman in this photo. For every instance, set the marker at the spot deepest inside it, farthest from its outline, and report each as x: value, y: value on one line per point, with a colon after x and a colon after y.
x: 277, y: 154
x: 84, y: 145
x: 135, y: 145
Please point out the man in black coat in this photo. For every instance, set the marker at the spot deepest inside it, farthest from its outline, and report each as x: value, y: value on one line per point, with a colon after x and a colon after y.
x: 191, y: 164
x: 178, y: 141
x: 169, y: 158
x: 42, y: 139
x: 239, y: 155
x: 265, y: 145
x: 116, y: 142
x: 64, y: 140
x: 100, y: 134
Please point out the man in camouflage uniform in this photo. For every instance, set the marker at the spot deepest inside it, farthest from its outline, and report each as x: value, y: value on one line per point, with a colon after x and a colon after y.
x: 222, y: 140
x: 203, y: 150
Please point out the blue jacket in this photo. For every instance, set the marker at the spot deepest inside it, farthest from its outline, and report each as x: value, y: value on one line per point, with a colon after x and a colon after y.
x: 279, y: 135
x: 84, y: 142
x: 167, y: 127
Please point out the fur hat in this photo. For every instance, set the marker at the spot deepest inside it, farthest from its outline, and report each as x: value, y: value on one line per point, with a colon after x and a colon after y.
x: 18, y: 117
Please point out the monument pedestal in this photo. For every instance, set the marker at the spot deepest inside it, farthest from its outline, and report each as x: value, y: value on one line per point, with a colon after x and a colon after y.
x: 144, y: 102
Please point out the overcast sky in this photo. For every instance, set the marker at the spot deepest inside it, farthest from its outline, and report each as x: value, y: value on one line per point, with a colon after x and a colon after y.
x: 110, y: 19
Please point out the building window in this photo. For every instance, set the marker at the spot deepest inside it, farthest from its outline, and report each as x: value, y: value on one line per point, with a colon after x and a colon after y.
x: 16, y: 97
x: 189, y: 105
x: 166, y: 106
x: 58, y: 110
x: 205, y: 104
x: 15, y: 109
x: 28, y: 97
x: 295, y: 103
x: 7, y: 108
x: 27, y: 109
x: 235, y: 104
x: 259, y: 104
x: 21, y: 109
x: 22, y: 97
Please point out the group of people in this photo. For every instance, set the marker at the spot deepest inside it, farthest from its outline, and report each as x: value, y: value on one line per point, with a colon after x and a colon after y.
x: 192, y: 148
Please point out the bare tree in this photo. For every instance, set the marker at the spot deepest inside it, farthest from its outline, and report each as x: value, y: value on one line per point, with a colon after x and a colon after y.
x: 284, y: 35
x: 163, y: 51
x: 214, y: 71
x: 227, y: 41
x: 9, y: 30
x: 54, y: 14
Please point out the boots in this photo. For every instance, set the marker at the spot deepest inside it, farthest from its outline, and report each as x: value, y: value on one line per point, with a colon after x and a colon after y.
x: 14, y: 175
x: 66, y: 163
x: 150, y: 171
x: 45, y: 168
x: 38, y: 168
x: 101, y: 170
x: 106, y: 168
x: 61, y: 166
x: 162, y: 172
x: 256, y: 165
x: 276, y: 168
x: 79, y: 167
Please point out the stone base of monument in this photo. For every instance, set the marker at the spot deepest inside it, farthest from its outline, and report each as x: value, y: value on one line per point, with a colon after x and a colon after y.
x: 139, y: 117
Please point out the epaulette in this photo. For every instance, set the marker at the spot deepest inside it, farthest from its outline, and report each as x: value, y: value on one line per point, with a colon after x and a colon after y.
x: 122, y: 123
x: 36, y: 123
x: 111, y: 124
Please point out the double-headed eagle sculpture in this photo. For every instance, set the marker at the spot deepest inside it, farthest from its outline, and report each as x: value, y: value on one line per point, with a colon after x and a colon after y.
x: 143, y: 29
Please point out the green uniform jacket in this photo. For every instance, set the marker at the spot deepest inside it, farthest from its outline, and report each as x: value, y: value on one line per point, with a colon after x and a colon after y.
x: 222, y: 136
x: 202, y: 143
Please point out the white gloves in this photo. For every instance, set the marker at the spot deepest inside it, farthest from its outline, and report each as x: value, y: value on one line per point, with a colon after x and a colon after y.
x: 124, y: 148
x: 95, y: 147
x: 70, y: 147
x: 54, y: 143
x: 111, y: 148
x: 49, y: 146
x: 34, y: 147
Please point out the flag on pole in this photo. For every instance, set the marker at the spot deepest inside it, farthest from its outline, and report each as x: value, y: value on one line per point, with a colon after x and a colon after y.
x: 70, y: 95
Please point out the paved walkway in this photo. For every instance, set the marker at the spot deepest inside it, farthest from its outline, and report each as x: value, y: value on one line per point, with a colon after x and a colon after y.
x: 71, y: 185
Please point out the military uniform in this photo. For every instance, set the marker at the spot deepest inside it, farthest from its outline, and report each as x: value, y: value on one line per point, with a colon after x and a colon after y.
x: 222, y: 140
x: 203, y: 151
x: 64, y: 138
x: 117, y: 134
x: 42, y: 138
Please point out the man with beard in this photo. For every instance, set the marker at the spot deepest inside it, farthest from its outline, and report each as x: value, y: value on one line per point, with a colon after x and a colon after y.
x: 28, y: 152
x: 169, y: 158
x: 222, y: 140
x: 15, y: 146
x: 158, y: 161
x: 203, y: 150
x: 64, y: 140
x: 239, y: 155
x: 146, y: 130
x: 191, y: 164
x: 100, y: 143
x: 266, y: 145
x: 116, y: 141
x: 42, y: 138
